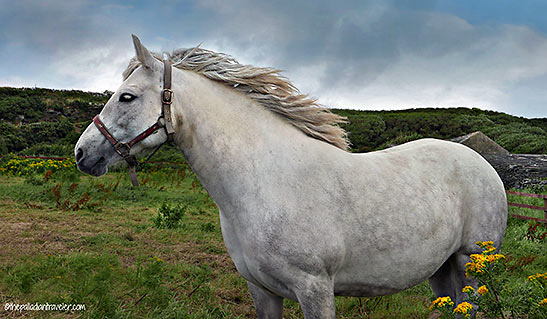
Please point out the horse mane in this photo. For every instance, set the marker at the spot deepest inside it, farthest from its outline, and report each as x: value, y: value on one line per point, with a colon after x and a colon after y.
x: 264, y: 85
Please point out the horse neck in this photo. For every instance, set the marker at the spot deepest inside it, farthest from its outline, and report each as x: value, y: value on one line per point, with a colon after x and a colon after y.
x: 229, y: 140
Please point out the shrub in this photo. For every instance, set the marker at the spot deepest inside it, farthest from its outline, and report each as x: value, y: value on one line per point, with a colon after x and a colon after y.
x: 170, y: 216
x: 34, y: 180
x: 404, y: 138
x: 47, y: 149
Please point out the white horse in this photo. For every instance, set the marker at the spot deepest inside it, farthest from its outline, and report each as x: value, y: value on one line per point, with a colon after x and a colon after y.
x: 301, y: 217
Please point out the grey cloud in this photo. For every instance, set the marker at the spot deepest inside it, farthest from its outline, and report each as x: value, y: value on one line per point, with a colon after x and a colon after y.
x: 382, y: 55
x: 354, y: 54
x: 48, y: 26
x: 69, y: 43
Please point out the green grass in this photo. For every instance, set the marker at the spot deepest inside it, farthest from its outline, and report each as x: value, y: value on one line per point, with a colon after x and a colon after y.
x: 108, y: 254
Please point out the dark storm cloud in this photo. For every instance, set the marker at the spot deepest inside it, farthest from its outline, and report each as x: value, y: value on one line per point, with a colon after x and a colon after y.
x: 357, y: 54
x: 379, y: 54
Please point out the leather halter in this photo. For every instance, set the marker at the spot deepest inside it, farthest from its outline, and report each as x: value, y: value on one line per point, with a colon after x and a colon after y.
x: 164, y: 121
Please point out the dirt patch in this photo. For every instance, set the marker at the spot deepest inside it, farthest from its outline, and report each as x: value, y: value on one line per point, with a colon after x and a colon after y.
x: 23, y: 238
x: 27, y: 231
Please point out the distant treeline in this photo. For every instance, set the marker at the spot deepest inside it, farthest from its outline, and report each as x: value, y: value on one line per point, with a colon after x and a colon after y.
x: 48, y: 122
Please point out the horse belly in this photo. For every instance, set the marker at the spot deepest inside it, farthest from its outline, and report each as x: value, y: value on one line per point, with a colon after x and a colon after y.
x: 393, y: 253
x: 382, y: 276
x: 387, y: 274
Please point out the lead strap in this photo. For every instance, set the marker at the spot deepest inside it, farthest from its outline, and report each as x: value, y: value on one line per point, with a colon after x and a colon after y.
x: 133, y: 175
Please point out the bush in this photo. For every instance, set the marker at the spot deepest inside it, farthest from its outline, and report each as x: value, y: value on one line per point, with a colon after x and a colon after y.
x: 170, y: 216
x: 404, y: 138
x: 34, y: 180
x: 368, y: 134
x: 40, y: 135
x: 3, y: 146
x: 45, y: 149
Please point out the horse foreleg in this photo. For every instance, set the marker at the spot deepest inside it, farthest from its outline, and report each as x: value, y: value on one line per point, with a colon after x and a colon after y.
x: 268, y: 305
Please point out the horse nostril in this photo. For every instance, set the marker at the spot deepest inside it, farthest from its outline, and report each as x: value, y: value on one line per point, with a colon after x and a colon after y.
x: 79, y: 154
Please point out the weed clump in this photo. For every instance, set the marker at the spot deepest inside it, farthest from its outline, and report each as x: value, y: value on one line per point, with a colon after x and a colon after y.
x: 170, y: 216
x: 34, y: 180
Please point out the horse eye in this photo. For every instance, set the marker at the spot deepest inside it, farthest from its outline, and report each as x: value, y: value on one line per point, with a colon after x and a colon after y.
x: 126, y: 97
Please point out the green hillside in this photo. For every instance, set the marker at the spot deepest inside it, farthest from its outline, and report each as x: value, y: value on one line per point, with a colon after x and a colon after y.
x: 37, y: 121
x: 373, y: 130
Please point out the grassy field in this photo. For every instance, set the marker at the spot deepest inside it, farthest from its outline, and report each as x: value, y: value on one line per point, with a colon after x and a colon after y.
x: 73, y: 239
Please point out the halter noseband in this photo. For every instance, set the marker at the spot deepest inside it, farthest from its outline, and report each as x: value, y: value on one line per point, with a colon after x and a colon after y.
x: 164, y: 121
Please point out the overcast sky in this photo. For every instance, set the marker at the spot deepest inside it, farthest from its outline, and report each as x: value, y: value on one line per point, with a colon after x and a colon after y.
x: 490, y: 54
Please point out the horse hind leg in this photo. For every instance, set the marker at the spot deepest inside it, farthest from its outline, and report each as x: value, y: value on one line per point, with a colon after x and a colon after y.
x: 316, y: 298
x: 268, y: 306
x: 450, y: 279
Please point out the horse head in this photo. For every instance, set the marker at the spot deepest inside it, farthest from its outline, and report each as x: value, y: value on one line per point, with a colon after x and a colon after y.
x: 132, y: 119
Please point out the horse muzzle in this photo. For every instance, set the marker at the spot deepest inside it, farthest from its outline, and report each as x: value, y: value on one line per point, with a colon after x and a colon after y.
x: 91, y: 165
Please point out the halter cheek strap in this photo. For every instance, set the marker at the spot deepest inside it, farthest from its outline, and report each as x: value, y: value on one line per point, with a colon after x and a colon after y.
x: 164, y: 121
x: 166, y: 100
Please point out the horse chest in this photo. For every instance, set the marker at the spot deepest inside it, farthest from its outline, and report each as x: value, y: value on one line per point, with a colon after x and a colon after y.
x: 234, y: 247
x: 256, y: 262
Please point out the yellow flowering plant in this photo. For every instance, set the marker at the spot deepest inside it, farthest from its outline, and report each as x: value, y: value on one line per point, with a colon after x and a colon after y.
x: 444, y: 305
x: 492, y: 297
x: 539, y: 279
x: 484, y: 262
x: 463, y: 309
x: 468, y: 290
x: 482, y: 290
x: 13, y: 165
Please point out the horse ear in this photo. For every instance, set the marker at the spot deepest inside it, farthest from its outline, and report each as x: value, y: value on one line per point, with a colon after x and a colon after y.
x: 143, y: 54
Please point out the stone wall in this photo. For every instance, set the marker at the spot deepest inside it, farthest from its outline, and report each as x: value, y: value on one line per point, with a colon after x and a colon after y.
x: 515, y: 170
x: 520, y: 170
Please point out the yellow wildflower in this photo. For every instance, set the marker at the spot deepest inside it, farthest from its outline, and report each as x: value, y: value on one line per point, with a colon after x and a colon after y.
x: 477, y: 265
x: 464, y: 308
x: 441, y: 302
x: 493, y: 258
x: 537, y: 276
x: 543, y: 302
x: 490, y: 249
x: 482, y: 290
x: 468, y: 289
x: 484, y: 244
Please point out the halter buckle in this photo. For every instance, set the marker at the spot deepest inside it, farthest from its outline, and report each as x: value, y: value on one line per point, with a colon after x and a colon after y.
x: 166, y: 96
x: 122, y: 149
